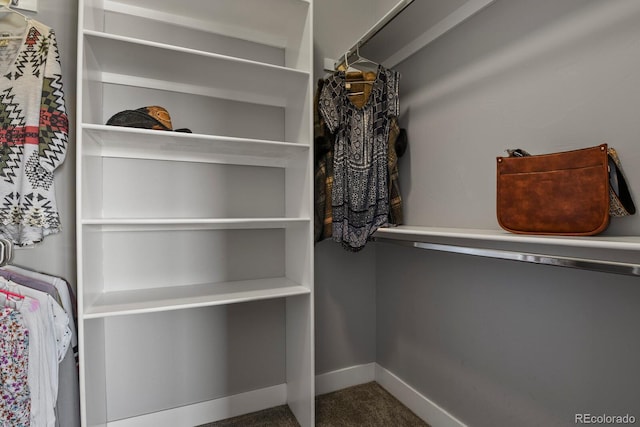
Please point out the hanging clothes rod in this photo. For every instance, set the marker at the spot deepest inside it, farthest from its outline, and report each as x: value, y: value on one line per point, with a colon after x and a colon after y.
x: 399, y: 7
x: 612, y: 267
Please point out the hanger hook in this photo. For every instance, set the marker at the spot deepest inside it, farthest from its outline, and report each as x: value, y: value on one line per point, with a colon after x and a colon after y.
x: 6, y: 6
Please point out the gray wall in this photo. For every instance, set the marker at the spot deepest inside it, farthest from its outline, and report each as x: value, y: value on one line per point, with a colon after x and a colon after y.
x: 345, y: 307
x: 500, y: 343
x: 497, y: 343
x: 56, y: 254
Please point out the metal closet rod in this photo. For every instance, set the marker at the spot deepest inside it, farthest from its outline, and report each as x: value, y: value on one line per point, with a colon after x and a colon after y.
x: 628, y: 269
x: 378, y: 26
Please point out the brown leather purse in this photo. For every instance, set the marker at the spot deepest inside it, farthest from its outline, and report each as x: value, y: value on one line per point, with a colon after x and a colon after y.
x: 566, y: 193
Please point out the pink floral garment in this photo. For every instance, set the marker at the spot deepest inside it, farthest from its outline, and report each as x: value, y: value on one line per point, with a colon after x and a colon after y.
x: 15, y: 399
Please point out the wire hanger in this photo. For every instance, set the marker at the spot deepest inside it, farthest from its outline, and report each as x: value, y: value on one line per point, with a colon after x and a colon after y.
x: 345, y: 65
x: 358, y: 75
x: 370, y: 66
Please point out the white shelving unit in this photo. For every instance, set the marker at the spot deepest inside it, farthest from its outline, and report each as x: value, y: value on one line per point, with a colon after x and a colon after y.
x: 190, y: 244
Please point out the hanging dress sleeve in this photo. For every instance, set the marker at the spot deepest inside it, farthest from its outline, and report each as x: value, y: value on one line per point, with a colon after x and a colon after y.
x: 54, y: 123
x: 329, y: 103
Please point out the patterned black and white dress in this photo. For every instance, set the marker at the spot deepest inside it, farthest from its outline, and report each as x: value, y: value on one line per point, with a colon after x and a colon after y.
x: 360, y: 197
x: 33, y: 134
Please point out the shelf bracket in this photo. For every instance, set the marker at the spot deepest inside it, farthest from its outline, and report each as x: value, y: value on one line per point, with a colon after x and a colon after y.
x: 612, y: 267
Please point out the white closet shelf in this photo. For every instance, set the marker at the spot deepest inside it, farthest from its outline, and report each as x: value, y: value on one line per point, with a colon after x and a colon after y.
x: 139, y: 301
x: 178, y: 224
x: 134, y: 62
x: 516, y: 247
x: 114, y: 141
x: 270, y: 22
x: 427, y: 234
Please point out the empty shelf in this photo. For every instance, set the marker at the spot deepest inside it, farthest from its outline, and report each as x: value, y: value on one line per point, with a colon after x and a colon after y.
x: 180, y: 297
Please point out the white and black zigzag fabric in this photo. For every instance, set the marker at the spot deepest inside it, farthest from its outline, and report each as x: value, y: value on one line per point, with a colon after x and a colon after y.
x: 33, y: 135
x: 360, y: 195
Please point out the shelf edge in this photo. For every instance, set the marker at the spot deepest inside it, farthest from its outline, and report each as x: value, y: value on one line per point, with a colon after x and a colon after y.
x: 283, y: 292
x: 422, y: 234
x: 101, y: 35
x: 423, y: 238
x: 92, y: 127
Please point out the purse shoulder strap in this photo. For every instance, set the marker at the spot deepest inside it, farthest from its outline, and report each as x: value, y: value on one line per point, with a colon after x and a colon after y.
x: 621, y: 203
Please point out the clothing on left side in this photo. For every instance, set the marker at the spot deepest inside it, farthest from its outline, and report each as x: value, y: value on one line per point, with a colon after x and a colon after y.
x: 323, y: 172
x: 31, y: 282
x: 68, y: 402
x: 49, y: 339
x: 15, y: 397
x: 33, y: 134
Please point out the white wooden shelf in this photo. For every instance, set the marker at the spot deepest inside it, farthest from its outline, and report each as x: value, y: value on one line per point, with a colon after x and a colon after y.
x: 270, y: 22
x: 181, y: 297
x: 176, y: 224
x: 113, y: 141
x: 426, y: 234
x: 621, y: 257
x: 143, y: 63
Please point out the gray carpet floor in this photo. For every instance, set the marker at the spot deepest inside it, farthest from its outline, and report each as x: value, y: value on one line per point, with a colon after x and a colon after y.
x: 363, y: 405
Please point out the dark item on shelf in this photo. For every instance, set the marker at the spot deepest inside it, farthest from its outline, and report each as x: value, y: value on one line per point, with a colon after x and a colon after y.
x: 621, y: 203
x: 564, y: 193
x: 152, y: 117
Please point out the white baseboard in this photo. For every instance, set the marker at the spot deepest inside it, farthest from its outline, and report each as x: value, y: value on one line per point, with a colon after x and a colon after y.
x: 210, y: 411
x: 412, y: 399
x: 346, y: 377
x: 257, y: 400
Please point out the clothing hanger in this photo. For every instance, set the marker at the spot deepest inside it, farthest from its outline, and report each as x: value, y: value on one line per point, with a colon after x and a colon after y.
x: 10, y: 298
x: 4, y: 8
x: 15, y: 300
x: 363, y: 63
x: 369, y: 65
x: 6, y: 35
x: 11, y: 294
x: 6, y: 251
x: 3, y: 253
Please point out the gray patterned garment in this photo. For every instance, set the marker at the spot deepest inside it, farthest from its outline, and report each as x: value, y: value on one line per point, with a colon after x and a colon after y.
x: 360, y: 197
